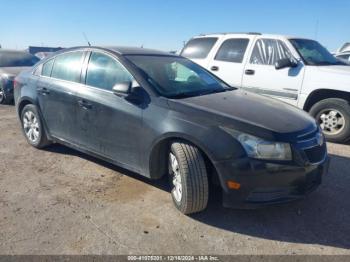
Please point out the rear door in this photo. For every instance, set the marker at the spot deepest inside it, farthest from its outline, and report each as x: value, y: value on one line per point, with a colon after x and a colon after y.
x: 228, y: 62
x: 108, y: 124
x: 56, y: 88
x: 260, y: 75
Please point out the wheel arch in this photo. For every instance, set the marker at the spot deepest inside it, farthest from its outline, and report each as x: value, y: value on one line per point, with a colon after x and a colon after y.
x: 22, y: 103
x: 321, y: 94
x: 29, y: 101
x: 158, y: 158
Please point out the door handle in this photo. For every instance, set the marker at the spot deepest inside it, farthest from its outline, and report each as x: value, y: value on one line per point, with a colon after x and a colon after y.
x: 43, y: 90
x: 249, y: 72
x: 214, y: 68
x: 84, y: 104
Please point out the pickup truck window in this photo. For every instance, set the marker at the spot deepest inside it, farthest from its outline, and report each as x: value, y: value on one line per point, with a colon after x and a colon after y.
x: 199, y: 47
x: 232, y: 50
x: 269, y: 51
x: 313, y: 53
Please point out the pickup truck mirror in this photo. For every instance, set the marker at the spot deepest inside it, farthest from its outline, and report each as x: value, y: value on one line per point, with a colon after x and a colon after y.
x: 285, y: 63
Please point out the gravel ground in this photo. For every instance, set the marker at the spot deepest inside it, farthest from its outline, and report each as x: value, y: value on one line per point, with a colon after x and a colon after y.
x: 59, y: 201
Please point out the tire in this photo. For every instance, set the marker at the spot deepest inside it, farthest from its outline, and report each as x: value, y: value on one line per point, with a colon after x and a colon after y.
x: 193, y: 175
x: 333, y: 115
x: 30, y: 116
x: 3, y: 97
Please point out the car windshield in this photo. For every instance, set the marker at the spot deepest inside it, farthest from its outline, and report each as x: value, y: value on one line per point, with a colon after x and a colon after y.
x: 177, y: 77
x: 16, y: 59
x: 313, y: 53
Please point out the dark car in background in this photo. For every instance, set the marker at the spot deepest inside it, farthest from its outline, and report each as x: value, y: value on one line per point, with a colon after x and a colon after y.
x: 160, y: 114
x: 11, y: 64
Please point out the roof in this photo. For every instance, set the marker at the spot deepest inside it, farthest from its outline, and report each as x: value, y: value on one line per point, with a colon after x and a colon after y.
x: 249, y: 33
x: 123, y: 50
x: 137, y: 51
x: 12, y: 51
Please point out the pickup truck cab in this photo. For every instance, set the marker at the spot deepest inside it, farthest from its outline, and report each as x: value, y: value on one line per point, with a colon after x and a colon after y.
x: 295, y: 70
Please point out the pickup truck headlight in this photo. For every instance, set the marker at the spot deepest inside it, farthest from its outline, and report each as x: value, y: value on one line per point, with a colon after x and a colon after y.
x: 259, y: 148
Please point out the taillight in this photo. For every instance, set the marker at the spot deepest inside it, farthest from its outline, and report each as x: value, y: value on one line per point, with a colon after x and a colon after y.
x: 15, y: 83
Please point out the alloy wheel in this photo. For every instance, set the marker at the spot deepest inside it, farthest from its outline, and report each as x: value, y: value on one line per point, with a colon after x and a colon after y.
x: 31, y: 126
x: 331, y: 121
x: 2, y: 95
x: 175, y: 178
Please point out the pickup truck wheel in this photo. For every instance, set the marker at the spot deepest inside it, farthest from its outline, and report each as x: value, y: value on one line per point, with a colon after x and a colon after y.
x: 188, y: 177
x: 333, y: 116
x: 32, y: 127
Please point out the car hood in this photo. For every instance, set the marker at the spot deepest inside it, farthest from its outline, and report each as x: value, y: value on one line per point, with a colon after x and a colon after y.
x: 12, y: 71
x: 237, y: 107
x: 341, y: 69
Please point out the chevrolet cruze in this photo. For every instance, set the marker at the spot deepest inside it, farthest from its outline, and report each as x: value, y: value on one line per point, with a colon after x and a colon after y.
x: 160, y: 114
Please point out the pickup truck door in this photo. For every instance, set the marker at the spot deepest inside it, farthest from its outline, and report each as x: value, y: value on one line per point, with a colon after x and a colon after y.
x: 227, y: 62
x: 261, y: 76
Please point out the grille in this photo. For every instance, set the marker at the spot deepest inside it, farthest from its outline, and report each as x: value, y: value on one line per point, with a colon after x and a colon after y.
x: 315, y: 154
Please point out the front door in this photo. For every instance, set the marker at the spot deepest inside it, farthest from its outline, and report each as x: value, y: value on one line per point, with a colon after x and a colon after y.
x: 260, y: 75
x: 108, y: 124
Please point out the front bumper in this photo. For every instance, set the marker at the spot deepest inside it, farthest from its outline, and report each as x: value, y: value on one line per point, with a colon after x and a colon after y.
x: 264, y: 183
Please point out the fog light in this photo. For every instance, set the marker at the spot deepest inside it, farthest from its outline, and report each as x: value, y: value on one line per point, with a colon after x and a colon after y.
x: 233, y: 185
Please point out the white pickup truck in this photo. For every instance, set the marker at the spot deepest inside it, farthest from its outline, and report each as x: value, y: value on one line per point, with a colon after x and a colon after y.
x: 298, y: 71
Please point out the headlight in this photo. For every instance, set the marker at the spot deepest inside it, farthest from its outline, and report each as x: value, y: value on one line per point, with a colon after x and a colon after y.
x: 262, y: 149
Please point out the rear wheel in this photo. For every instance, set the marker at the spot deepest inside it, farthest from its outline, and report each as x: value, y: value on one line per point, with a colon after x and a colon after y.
x: 189, y: 179
x: 33, y: 128
x: 333, y: 116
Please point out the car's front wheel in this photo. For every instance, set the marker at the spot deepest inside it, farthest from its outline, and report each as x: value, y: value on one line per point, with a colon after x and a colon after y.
x: 333, y: 116
x: 188, y: 177
x: 32, y: 127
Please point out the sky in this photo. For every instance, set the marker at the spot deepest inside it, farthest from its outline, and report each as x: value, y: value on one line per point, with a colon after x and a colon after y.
x: 166, y: 24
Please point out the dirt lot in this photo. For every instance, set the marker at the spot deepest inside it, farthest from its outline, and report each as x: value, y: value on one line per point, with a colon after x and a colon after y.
x: 59, y: 201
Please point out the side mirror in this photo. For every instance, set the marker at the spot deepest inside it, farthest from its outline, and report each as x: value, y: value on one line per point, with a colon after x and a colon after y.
x: 285, y: 63
x: 122, y: 89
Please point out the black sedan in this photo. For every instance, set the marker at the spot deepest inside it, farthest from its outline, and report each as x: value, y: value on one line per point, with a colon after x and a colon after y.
x: 160, y: 114
x: 11, y: 64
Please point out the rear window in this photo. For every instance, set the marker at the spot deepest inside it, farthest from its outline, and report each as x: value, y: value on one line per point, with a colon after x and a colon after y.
x: 67, y: 66
x: 17, y: 59
x: 199, y: 47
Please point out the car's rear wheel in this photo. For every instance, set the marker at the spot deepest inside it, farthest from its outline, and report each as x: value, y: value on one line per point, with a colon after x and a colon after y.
x: 32, y: 127
x: 333, y: 116
x: 188, y: 177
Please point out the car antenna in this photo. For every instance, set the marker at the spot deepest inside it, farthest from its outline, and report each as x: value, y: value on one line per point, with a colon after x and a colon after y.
x: 86, y: 39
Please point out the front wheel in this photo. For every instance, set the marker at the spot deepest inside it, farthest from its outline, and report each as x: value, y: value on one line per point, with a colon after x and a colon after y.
x: 333, y: 116
x: 189, y: 179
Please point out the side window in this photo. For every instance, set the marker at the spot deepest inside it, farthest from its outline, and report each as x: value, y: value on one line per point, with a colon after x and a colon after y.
x: 104, y: 72
x: 268, y: 51
x: 199, y: 47
x: 38, y: 70
x: 232, y: 50
x: 68, y: 66
x: 47, y: 68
